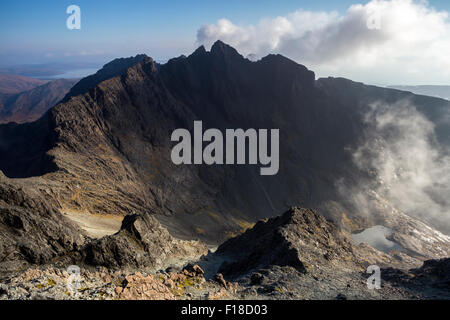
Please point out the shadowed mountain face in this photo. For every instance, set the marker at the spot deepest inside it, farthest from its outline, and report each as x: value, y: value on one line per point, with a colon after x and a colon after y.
x: 106, y: 148
x: 32, y: 104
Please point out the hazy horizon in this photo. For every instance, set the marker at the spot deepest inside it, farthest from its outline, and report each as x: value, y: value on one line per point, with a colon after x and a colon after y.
x: 331, y: 38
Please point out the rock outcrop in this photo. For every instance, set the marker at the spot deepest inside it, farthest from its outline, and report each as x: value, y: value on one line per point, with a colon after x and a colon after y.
x: 102, y: 284
x: 300, y: 238
x: 141, y: 243
x: 431, y: 280
x: 31, y: 230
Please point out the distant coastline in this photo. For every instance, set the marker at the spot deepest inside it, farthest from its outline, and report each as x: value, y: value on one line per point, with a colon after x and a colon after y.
x: 71, y: 74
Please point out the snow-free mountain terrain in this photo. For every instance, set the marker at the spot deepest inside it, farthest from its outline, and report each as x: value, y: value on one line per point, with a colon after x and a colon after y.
x: 104, y: 152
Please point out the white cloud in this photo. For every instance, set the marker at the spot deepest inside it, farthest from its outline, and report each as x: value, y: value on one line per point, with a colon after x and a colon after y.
x: 411, y: 47
x: 412, y: 170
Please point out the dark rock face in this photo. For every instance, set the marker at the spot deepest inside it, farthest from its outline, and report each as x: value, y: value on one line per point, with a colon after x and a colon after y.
x: 438, y: 271
x: 32, y: 232
x: 300, y: 238
x: 431, y: 281
x: 24, y: 148
x: 141, y: 242
x: 31, y: 105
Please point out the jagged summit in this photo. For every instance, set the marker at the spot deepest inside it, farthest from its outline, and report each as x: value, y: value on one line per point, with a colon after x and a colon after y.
x: 218, y: 48
x: 199, y: 51
x: 109, y: 70
x: 220, y: 51
x: 221, y: 48
x: 220, y: 54
x: 300, y: 238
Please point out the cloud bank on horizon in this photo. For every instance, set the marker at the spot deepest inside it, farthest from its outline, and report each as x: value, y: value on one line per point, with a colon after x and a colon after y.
x: 411, y: 45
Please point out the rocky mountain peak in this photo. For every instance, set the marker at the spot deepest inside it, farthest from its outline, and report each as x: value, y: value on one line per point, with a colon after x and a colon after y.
x: 200, y: 51
x: 220, y: 48
x: 300, y: 238
x: 112, y: 69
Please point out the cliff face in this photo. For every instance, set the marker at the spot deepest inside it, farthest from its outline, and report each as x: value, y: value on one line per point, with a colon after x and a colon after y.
x: 32, y: 230
x: 106, y: 148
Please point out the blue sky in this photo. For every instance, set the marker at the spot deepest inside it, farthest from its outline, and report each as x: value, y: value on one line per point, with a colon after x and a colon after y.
x: 161, y: 28
x: 35, y: 31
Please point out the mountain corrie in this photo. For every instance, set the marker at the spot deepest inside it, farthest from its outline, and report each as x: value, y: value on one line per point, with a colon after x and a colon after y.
x: 235, y: 143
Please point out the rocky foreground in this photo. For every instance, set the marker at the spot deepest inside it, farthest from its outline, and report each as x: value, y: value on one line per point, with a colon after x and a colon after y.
x: 299, y: 255
x: 104, y: 284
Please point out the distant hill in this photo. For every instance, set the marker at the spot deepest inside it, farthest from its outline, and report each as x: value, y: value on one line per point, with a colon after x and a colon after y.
x: 30, y: 105
x: 433, y: 91
x: 12, y: 84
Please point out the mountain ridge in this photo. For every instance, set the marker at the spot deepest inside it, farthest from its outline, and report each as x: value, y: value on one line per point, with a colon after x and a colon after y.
x: 107, y: 150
